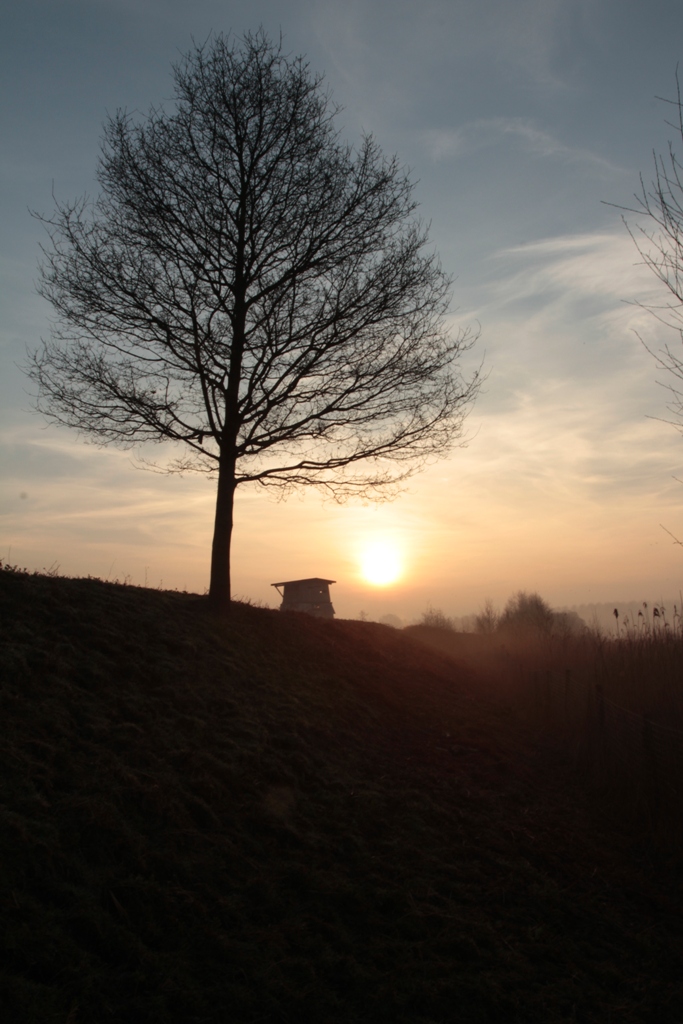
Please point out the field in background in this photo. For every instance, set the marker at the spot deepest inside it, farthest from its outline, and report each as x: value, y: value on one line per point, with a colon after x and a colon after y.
x: 269, y: 817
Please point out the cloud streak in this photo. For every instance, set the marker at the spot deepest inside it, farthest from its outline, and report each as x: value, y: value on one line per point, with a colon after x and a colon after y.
x: 485, y: 133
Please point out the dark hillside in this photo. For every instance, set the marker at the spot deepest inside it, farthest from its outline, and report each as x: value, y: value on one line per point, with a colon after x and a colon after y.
x: 483, y: 657
x: 277, y: 818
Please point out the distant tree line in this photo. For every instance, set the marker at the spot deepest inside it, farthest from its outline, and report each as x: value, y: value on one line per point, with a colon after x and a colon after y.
x: 524, y: 612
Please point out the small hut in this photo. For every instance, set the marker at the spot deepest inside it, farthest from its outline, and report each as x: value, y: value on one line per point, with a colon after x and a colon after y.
x: 310, y: 596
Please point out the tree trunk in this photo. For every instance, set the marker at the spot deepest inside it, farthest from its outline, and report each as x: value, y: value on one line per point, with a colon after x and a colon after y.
x: 219, y: 585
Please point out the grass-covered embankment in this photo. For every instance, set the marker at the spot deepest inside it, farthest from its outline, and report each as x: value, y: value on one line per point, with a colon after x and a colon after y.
x: 278, y: 818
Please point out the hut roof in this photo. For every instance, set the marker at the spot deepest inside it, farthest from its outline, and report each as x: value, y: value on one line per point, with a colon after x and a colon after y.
x: 311, y: 579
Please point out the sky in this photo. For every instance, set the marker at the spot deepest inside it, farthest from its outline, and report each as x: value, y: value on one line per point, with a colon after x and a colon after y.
x: 520, y: 122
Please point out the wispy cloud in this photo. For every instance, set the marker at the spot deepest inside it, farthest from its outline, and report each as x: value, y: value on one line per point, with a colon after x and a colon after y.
x: 523, y: 38
x: 488, y: 132
x: 571, y: 404
x: 589, y: 264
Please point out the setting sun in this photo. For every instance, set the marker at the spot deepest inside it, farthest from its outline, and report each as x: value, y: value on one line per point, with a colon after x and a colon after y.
x: 381, y: 564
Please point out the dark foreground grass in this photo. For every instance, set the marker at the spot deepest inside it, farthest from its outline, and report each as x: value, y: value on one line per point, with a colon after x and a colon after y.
x: 276, y: 818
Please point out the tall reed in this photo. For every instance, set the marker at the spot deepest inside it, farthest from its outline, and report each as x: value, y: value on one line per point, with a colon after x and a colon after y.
x: 614, y: 705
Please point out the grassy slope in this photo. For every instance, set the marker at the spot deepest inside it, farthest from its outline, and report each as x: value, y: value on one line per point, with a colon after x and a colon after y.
x: 275, y: 818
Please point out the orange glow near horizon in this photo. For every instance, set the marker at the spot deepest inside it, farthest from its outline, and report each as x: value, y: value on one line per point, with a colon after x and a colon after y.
x: 381, y: 564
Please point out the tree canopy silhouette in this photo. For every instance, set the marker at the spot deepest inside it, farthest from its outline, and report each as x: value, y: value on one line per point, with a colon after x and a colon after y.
x: 250, y: 285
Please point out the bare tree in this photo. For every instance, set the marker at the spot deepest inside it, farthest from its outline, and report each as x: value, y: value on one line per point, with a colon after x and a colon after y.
x: 660, y: 243
x: 488, y: 619
x: 249, y: 285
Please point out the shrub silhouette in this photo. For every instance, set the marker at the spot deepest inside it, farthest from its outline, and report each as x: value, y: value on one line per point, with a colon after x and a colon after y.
x: 435, y: 619
x: 527, y: 613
